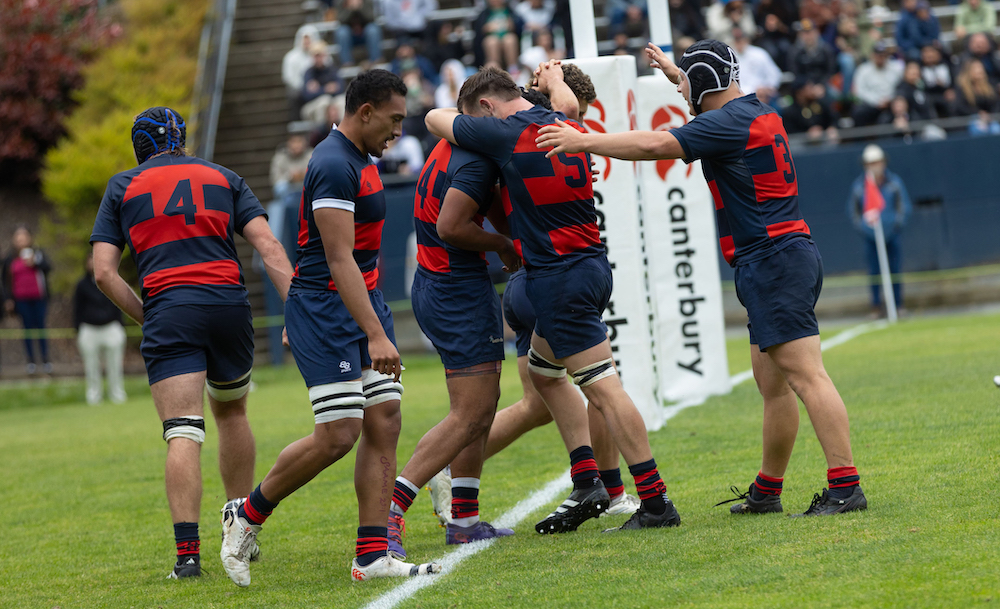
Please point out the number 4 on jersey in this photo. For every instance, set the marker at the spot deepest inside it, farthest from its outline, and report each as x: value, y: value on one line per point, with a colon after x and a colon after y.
x: 182, y: 203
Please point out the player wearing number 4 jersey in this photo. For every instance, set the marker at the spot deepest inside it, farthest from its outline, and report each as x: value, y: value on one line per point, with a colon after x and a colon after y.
x: 745, y: 158
x: 550, y: 207
x: 177, y: 214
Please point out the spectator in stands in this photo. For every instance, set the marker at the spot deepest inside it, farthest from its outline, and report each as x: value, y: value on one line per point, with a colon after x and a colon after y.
x: 332, y: 115
x: 686, y: 19
x: 453, y: 75
x: 975, y: 91
x: 973, y: 17
x: 447, y: 44
x: 407, y: 17
x: 723, y: 15
x: 917, y: 27
x: 407, y: 58
x: 849, y: 55
x: 914, y: 92
x: 98, y: 323
x: 536, y: 15
x: 294, y: 66
x: 823, y: 15
x: 404, y: 156
x: 543, y: 49
x: 26, y: 284
x: 984, y: 124
x: 980, y: 46
x: 357, y: 26
x: 777, y: 39
x: 629, y: 17
x: 288, y: 168
x: 321, y: 79
x: 498, y: 36
x: 561, y: 22
x: 811, y: 57
x: 810, y: 113
x: 419, y: 99
x: 894, y: 216
x: 938, y: 81
x: 875, y: 83
x: 758, y: 72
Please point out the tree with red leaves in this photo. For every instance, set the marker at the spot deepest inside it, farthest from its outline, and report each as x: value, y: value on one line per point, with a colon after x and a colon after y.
x: 43, y: 46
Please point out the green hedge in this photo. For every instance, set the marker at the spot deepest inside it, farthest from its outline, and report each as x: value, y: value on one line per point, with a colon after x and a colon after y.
x: 152, y: 64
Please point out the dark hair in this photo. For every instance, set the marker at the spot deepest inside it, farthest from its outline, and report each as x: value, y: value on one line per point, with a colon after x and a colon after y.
x: 487, y: 82
x: 579, y: 83
x: 537, y: 98
x: 373, y: 87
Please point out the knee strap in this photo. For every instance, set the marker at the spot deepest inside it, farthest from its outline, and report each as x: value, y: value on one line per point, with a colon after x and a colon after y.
x: 588, y: 375
x: 540, y: 365
x: 231, y: 391
x: 191, y: 427
x: 335, y: 401
x: 380, y: 387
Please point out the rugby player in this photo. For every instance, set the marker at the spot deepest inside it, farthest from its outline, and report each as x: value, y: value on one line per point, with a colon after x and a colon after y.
x: 550, y: 209
x: 779, y: 273
x: 341, y: 334
x: 177, y: 214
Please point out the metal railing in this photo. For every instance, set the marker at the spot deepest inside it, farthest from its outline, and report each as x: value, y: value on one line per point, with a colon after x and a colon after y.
x: 213, y: 58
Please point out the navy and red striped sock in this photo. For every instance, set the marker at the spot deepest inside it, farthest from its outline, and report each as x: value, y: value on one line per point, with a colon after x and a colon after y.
x: 842, y: 481
x: 186, y: 538
x: 612, y: 479
x: 373, y: 544
x: 650, y: 486
x: 403, y: 495
x: 583, y: 468
x: 256, y: 508
x: 465, y: 501
x: 765, y: 485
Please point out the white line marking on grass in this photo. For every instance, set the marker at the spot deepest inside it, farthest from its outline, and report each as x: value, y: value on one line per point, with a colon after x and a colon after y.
x: 556, y: 487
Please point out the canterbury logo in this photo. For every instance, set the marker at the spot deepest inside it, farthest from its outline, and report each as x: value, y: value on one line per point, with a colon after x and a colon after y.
x: 358, y: 575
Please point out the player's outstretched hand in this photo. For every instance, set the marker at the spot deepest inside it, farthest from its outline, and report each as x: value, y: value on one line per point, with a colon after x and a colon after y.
x: 561, y: 137
x: 659, y: 59
x: 509, y: 256
x: 385, y: 357
x: 594, y: 171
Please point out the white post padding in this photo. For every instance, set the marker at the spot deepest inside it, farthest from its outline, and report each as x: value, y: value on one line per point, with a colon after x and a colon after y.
x: 682, y: 260
x: 616, y: 198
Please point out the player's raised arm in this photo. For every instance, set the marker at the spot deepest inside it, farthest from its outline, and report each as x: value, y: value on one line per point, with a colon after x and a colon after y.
x: 440, y: 122
x: 630, y: 145
x: 658, y: 59
x: 551, y: 83
x: 336, y: 229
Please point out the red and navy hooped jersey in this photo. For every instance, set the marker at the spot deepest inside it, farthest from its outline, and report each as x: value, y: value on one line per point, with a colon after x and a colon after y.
x: 550, y: 202
x: 748, y: 166
x: 450, y: 167
x: 177, y: 215
x: 339, y: 177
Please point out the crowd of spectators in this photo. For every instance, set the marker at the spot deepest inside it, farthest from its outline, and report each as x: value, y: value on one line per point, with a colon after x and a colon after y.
x: 825, y: 64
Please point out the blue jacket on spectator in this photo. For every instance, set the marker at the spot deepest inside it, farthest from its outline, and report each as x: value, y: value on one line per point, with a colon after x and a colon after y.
x: 897, y: 206
x: 913, y: 33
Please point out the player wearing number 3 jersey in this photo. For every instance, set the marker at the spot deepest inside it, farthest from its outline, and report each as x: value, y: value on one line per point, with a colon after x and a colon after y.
x: 746, y: 161
x: 178, y: 214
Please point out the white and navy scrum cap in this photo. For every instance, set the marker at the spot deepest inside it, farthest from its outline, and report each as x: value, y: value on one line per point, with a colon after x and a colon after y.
x: 710, y: 66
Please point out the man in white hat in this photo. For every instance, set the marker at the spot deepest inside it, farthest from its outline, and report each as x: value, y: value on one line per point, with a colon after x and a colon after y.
x: 895, y: 211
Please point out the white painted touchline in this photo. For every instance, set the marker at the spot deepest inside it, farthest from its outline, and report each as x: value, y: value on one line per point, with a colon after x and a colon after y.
x: 557, y: 487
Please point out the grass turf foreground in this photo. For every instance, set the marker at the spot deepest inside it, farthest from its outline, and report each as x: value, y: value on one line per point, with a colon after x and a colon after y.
x: 85, y: 521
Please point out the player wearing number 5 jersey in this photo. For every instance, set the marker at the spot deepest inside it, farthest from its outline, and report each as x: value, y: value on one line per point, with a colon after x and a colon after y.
x: 550, y: 206
x: 746, y: 161
x: 178, y: 214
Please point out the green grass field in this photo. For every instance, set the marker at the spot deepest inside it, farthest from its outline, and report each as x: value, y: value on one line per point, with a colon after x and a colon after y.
x: 85, y: 523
